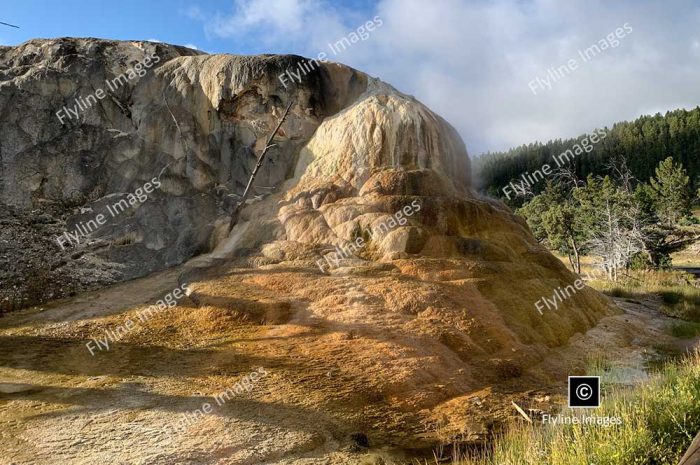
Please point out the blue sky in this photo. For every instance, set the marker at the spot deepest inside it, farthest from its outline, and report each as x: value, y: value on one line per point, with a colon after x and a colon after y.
x: 474, y: 62
x: 124, y: 19
x: 169, y: 21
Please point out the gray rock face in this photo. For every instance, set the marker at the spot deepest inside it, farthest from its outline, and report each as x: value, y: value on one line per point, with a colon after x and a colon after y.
x: 86, y: 125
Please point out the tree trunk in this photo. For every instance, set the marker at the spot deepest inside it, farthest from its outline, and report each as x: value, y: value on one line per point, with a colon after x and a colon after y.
x: 571, y: 261
x: 577, y: 257
x: 692, y: 456
x: 261, y: 160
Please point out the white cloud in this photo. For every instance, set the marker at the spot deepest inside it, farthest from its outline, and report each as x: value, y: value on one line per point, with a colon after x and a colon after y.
x: 292, y: 26
x: 471, y: 61
x: 192, y: 46
x: 280, y: 16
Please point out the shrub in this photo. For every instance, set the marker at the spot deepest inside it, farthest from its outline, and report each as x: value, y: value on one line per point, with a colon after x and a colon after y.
x: 671, y: 297
x: 686, y: 330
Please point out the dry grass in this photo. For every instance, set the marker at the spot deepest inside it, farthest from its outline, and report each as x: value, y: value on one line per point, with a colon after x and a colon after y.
x: 690, y: 256
x: 660, y: 419
x: 678, y: 291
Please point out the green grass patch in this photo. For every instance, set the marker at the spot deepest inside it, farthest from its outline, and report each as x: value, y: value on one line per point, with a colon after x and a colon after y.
x: 686, y: 330
x: 683, y: 303
x: 660, y: 419
x: 621, y: 293
x: 671, y: 297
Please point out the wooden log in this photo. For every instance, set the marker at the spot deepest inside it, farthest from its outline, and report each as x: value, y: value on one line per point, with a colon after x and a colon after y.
x: 692, y: 456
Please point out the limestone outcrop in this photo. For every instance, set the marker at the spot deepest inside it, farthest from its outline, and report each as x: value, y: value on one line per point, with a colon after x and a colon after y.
x: 375, y: 285
x: 193, y: 121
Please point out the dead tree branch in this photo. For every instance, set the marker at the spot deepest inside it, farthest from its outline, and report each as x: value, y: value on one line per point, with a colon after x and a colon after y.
x: 261, y: 160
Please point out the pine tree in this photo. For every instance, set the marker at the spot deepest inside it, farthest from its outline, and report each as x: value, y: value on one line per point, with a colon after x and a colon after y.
x: 644, y: 143
x: 613, y: 222
x: 670, y: 191
x: 553, y: 217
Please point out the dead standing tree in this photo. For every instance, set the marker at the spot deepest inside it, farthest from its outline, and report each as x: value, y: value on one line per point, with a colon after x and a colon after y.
x: 261, y: 160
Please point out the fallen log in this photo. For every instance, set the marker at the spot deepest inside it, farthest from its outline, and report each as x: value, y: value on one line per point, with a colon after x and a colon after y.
x: 692, y: 456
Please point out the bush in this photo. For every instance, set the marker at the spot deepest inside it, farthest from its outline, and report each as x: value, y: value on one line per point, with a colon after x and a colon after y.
x: 640, y: 262
x: 671, y: 297
x: 665, y: 262
x: 689, y: 221
x: 686, y: 330
x: 620, y: 293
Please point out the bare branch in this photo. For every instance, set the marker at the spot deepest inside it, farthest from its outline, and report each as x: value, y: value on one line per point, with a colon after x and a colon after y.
x: 567, y: 177
x: 618, y: 166
x: 261, y: 160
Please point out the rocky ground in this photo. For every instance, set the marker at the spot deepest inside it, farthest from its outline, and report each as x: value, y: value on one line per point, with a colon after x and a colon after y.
x: 34, y: 270
x: 59, y: 403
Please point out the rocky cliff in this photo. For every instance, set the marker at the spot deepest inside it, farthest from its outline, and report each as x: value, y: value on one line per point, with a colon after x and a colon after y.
x: 194, y: 122
x: 191, y: 120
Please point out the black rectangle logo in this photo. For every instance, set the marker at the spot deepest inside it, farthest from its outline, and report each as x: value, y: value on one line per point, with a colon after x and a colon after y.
x: 584, y: 391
